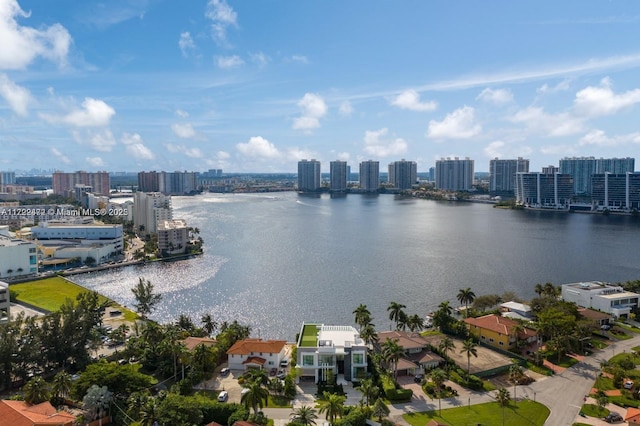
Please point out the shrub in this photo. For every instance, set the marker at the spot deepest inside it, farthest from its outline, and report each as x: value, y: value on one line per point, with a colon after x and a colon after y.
x: 392, y: 393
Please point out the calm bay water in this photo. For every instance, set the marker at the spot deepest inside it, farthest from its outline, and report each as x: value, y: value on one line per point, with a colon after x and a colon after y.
x: 275, y: 260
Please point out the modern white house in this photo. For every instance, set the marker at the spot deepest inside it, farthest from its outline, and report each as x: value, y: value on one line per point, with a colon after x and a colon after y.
x: 5, y: 302
x: 256, y: 354
x: 336, y: 349
x: 17, y: 258
x: 605, y: 297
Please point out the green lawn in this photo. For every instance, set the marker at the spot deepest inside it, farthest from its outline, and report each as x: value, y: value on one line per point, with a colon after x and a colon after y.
x: 604, y: 383
x: 630, y: 328
x: 526, y: 413
x: 278, y: 402
x: 592, y: 410
x: 309, y: 336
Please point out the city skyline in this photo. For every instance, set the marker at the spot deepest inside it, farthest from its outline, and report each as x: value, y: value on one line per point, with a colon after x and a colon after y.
x: 244, y: 87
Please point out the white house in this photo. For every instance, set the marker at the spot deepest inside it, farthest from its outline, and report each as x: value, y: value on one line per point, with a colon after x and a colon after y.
x: 17, y: 258
x: 256, y: 353
x: 605, y: 297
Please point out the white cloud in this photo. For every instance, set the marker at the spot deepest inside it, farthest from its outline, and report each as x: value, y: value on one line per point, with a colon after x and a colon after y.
x: 599, y: 138
x: 562, y: 86
x: 94, y: 113
x: 184, y: 131
x: 98, y: 140
x: 228, y: 62
x: 181, y: 113
x: 135, y: 147
x: 313, y: 109
x: 300, y: 58
x: 343, y: 156
x: 497, y: 96
x: 258, y: 147
x: 21, y: 45
x: 222, y: 16
x: 187, y: 46
x: 194, y: 152
x: 377, y: 144
x: 60, y: 156
x: 538, y: 121
x: 183, y: 149
x: 410, y: 99
x: 223, y: 155
x: 260, y: 59
x: 346, y: 109
x: 16, y: 96
x: 459, y: 124
x: 95, y: 161
x: 599, y: 101
x: 502, y: 149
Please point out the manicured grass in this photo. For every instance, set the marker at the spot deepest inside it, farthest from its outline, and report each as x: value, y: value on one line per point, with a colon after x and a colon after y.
x: 592, y: 410
x: 48, y: 294
x: 278, y: 402
x: 625, y: 400
x: 599, y: 343
x: 630, y: 328
x: 604, y: 383
x: 540, y: 369
x: 580, y: 424
x: 565, y: 361
x: 626, y: 355
x: 309, y: 336
x: 621, y: 336
x: 526, y: 412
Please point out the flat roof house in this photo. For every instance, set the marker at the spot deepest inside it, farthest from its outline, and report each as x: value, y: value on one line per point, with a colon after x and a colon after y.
x: 331, y: 348
x: 609, y: 298
x: 256, y: 354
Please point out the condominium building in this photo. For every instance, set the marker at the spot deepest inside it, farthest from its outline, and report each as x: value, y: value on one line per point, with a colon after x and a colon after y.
x: 148, y: 209
x: 148, y: 182
x: 7, y: 178
x: 309, y: 175
x: 338, y: 176
x: 550, y: 170
x: 502, y: 174
x: 403, y: 174
x: 17, y: 258
x: 616, y: 191
x: 605, y: 297
x: 173, y: 236
x: 369, y: 176
x: 65, y: 183
x: 546, y: 191
x: 454, y: 174
x: 168, y: 183
x: 583, y: 168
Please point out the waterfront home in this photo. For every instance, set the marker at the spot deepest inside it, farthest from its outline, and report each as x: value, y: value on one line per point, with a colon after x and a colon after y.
x: 598, y: 318
x: 331, y: 349
x: 191, y: 342
x: 515, y: 310
x: 417, y: 353
x: 21, y: 413
x: 500, y: 332
x: 256, y: 354
x: 609, y: 298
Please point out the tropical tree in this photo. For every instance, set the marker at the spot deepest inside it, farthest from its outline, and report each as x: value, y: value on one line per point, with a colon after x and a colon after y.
x: 369, y: 390
x: 332, y: 405
x: 97, y: 401
x: 465, y: 297
x: 446, y: 345
x: 403, y: 321
x: 36, y: 391
x: 61, y: 385
x: 549, y: 290
x: 539, y: 289
x: 392, y: 351
x: 255, y: 397
x: 380, y: 409
x: 601, y: 399
x: 415, y: 322
x: 208, y: 324
x: 369, y: 334
x: 469, y: 348
x: 304, y: 415
x: 515, y: 373
x: 395, y: 309
x: 362, y: 315
x: 503, y: 398
x: 438, y: 377
x: 442, y: 317
x: 146, y: 299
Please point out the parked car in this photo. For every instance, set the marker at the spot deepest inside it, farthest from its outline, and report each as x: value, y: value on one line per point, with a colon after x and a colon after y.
x: 284, y: 363
x: 605, y: 327
x: 224, y: 372
x: 418, y: 378
x: 628, y: 384
x: 281, y: 375
x: 613, y: 418
x: 223, y: 396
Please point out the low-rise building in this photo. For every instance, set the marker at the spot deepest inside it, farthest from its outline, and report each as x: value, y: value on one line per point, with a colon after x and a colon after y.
x: 598, y: 318
x: 516, y: 310
x: 605, y: 297
x: 500, y: 332
x: 17, y: 258
x: 331, y: 349
x: 417, y: 353
x: 173, y: 236
x: 21, y: 413
x: 5, y: 302
x: 256, y: 353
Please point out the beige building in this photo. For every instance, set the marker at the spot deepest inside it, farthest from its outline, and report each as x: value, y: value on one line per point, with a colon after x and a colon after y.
x: 150, y: 208
x: 173, y: 236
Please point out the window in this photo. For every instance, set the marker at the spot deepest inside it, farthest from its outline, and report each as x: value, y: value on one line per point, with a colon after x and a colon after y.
x: 307, y: 360
x: 358, y: 358
x: 491, y: 339
x: 501, y: 343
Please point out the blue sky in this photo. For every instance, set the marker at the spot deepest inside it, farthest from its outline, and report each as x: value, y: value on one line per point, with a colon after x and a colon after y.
x: 255, y: 86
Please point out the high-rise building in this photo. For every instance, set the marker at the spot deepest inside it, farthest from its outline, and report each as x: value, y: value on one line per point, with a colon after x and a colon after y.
x: 582, y: 168
x: 544, y: 190
x: 148, y: 209
x: 148, y: 182
x: 309, y: 175
x: 454, y: 174
x: 7, y: 178
x: 338, y: 175
x: 549, y: 170
x: 65, y: 183
x: 370, y: 176
x: 177, y: 183
x: 502, y: 174
x: 403, y: 174
x: 619, y: 191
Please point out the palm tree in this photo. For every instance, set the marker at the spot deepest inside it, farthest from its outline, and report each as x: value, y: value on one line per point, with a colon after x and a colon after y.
x: 369, y: 334
x: 442, y: 317
x: 304, y: 415
x: 446, y: 345
x: 549, y: 290
x: 438, y: 377
x: 97, y: 401
x: 362, y: 315
x: 392, y: 351
x: 469, y: 348
x: 601, y: 399
x: 403, y: 321
x: 61, y: 384
x: 465, y: 297
x: 36, y: 391
x: 394, y: 310
x: 415, y: 322
x: 332, y: 405
x: 503, y: 398
x: 539, y: 289
x: 380, y: 410
x: 208, y: 324
x: 256, y: 396
x: 369, y: 390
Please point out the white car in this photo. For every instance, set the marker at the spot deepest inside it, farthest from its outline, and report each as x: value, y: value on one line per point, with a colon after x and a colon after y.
x: 223, y: 396
x: 628, y: 384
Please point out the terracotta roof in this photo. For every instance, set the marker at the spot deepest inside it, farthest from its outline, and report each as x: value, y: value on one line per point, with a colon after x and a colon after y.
x: 426, y: 356
x: 243, y: 423
x: 408, y: 340
x: 247, y: 346
x: 500, y: 324
x: 20, y: 413
x: 405, y: 364
x: 633, y: 415
x: 191, y: 342
x: 255, y: 360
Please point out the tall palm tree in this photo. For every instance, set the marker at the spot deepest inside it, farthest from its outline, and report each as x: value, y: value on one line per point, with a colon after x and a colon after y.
x: 442, y: 317
x: 304, y: 415
x: 394, y: 310
x: 466, y: 296
x: 403, y: 321
x: 539, y: 289
x: 469, y: 348
x: 208, y: 324
x: 256, y: 396
x: 392, y: 351
x: 438, y: 377
x: 369, y: 390
x: 36, y: 391
x: 446, y: 345
x: 332, y: 405
x: 415, y: 322
x: 61, y: 384
x: 503, y: 398
x: 369, y: 334
x: 362, y: 315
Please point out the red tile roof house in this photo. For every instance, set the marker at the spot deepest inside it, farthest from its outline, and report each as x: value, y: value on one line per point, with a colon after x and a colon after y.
x: 499, y: 331
x: 418, y: 356
x: 256, y: 353
x: 20, y: 413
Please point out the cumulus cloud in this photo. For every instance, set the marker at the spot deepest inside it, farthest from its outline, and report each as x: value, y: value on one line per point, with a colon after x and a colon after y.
x: 598, y: 101
x: 135, y: 147
x: 410, y: 99
x: 459, y: 124
x: 497, y: 96
x: 181, y: 113
x: 94, y: 113
x: 502, y: 149
x: 346, y: 109
x: 95, y: 161
x: 98, y: 140
x: 16, y: 96
x: 186, y: 44
x: 300, y: 59
x: 538, y: 121
x: 378, y: 144
x: 258, y: 147
x: 183, y: 149
x: 222, y: 16
x: 228, y: 62
x: 599, y: 138
x: 562, y: 86
x: 223, y: 155
x: 260, y: 59
x: 313, y: 109
x: 60, y: 156
x: 21, y: 45
x: 184, y: 131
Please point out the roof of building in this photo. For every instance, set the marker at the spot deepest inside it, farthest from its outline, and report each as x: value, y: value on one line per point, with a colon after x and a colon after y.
x: 405, y: 364
x: 633, y: 415
x: 247, y: 346
x: 515, y: 306
x: 593, y: 315
x: 499, y: 324
x: 191, y: 342
x: 339, y: 336
x: 255, y: 360
x: 408, y: 340
x: 20, y: 413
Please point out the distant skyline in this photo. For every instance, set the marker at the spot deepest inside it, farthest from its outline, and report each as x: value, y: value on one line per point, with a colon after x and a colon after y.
x: 133, y: 85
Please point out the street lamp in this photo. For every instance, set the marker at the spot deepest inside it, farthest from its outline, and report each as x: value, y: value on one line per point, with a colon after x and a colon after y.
x: 534, y: 396
x: 515, y: 400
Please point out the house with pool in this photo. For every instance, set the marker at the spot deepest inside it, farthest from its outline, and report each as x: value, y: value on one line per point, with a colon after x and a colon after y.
x: 331, y: 349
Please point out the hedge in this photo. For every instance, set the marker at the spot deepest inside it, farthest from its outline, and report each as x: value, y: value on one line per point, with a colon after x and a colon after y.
x: 392, y: 392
